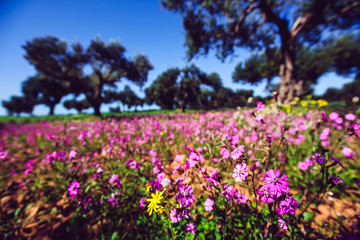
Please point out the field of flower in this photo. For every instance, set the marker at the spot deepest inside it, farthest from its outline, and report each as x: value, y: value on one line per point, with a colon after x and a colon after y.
x: 264, y: 173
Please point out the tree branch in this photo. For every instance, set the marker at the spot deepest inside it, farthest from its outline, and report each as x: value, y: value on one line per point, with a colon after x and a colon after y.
x: 247, y: 11
x: 300, y: 23
x: 348, y: 8
x: 270, y: 16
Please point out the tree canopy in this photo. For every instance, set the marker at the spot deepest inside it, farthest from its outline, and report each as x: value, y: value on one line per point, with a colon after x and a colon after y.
x: 54, y: 59
x: 264, y: 24
x: 44, y: 90
x: 341, y: 56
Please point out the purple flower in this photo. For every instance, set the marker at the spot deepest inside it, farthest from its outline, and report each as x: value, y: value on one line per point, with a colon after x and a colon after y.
x: 208, y: 205
x: 240, y: 172
x: 184, y: 196
x: 133, y: 164
x: 228, y: 192
x: 287, y: 206
x: 238, y: 152
x: 336, y: 179
x: 232, y: 194
x: 112, y: 200
x: 73, y: 189
x: 337, y: 161
x: 264, y: 195
x: 274, y: 184
x: 212, y: 178
x: 324, y: 117
x: 282, y: 223
x: 318, y: 158
x: 183, y: 212
x: 190, y: 227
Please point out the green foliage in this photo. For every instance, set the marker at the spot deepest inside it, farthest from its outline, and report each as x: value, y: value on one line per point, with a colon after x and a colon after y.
x: 18, y: 105
x: 53, y: 59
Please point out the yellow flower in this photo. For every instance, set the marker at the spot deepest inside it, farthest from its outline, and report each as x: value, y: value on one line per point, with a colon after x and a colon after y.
x: 303, y: 103
x: 322, y: 102
x: 148, y: 188
x: 296, y: 99
x: 154, y: 201
x: 287, y: 108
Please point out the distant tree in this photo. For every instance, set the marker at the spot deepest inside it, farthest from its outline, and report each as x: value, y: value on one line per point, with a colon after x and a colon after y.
x: 130, y: 98
x: 180, y: 88
x: 228, y: 24
x: 163, y: 90
x: 78, y: 105
x: 89, y: 70
x: 45, y: 90
x: 18, y: 105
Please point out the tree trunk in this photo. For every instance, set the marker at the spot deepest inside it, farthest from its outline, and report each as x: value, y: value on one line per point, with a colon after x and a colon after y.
x: 289, y: 87
x: 52, y: 108
x: 183, y: 104
x: 97, y: 109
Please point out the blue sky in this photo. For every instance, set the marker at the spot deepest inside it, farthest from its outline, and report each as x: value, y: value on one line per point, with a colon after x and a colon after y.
x: 141, y: 26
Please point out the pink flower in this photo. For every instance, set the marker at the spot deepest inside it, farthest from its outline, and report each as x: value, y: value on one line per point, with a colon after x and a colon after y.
x: 238, y: 152
x: 73, y: 189
x: 28, y: 170
x: 178, y: 158
x: 3, y: 154
x: 190, y: 227
x: 274, y: 184
x: 209, y: 205
x: 72, y: 154
x: 348, y: 152
x: 173, y: 216
x: 260, y: 106
x: 350, y: 117
x: 113, y: 178
x: 356, y: 127
x: 282, y: 223
x: 333, y: 116
x: 303, y: 166
x: 240, y: 172
x: 177, y: 167
x: 142, y: 203
x: 224, y: 152
x: 339, y: 120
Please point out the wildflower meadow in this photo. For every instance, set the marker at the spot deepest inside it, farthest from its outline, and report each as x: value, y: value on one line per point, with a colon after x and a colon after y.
x: 271, y: 172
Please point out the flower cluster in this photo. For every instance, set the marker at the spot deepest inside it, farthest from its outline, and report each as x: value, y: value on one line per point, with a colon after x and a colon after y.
x: 232, y: 194
x: 73, y: 189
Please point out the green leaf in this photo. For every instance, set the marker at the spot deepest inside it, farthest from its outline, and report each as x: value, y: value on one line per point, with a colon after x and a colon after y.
x: 87, y: 188
x: 114, y: 236
x: 309, y: 216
